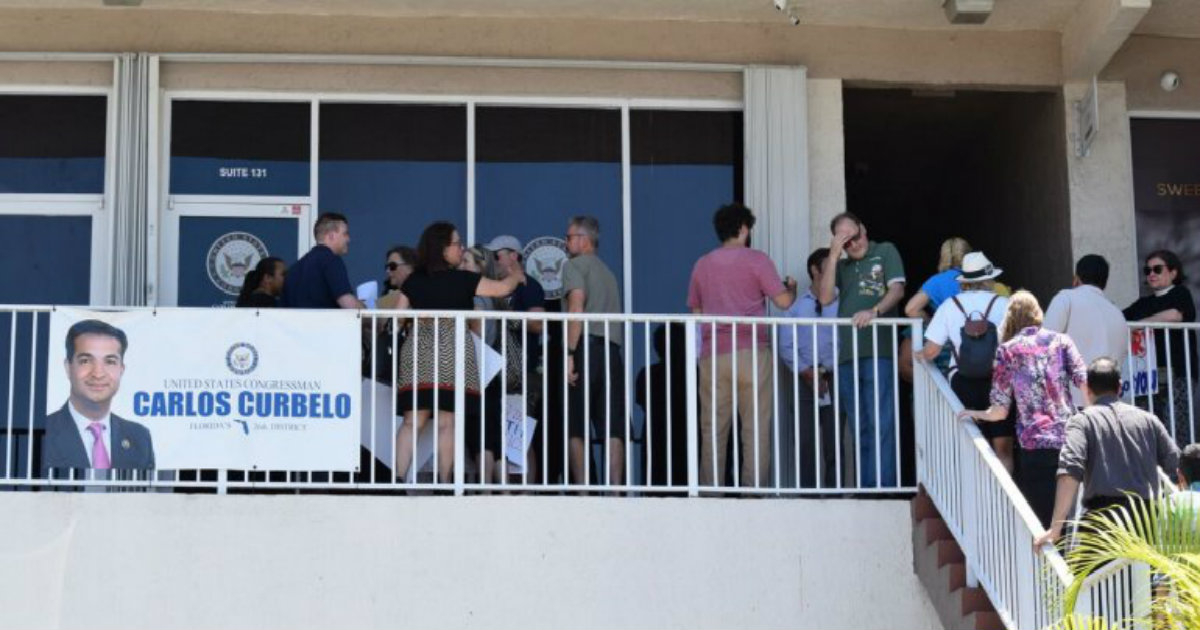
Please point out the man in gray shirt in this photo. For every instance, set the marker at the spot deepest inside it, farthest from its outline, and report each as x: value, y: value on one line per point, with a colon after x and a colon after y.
x: 595, y: 367
x: 1113, y: 448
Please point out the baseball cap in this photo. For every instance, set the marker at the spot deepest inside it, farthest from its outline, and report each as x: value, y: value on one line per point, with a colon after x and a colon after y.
x: 504, y: 241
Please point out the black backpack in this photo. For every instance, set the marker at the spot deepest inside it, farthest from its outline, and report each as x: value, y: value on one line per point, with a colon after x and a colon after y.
x: 976, y: 351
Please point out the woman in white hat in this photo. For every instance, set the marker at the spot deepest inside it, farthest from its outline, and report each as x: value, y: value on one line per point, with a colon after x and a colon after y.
x: 978, y: 301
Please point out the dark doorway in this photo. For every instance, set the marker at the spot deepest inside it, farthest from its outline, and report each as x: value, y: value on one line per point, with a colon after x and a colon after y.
x: 922, y: 166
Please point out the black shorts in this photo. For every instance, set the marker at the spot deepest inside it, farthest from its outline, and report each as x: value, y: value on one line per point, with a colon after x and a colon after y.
x: 485, y: 421
x: 974, y: 394
x: 598, y: 399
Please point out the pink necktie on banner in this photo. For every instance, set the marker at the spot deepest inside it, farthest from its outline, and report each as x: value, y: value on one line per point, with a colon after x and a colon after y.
x: 99, y: 453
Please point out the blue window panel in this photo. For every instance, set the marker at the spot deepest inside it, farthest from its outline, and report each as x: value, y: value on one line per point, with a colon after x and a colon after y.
x: 529, y: 200
x: 240, y: 148
x: 196, y: 238
x: 52, y: 143
x: 79, y: 175
x: 673, y: 206
x: 390, y: 203
x: 221, y: 176
x: 47, y: 260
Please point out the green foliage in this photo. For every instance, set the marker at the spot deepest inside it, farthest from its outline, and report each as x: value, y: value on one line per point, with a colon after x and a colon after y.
x: 1163, y: 534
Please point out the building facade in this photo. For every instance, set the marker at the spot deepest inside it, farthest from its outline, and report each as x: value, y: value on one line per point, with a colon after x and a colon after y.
x: 141, y: 136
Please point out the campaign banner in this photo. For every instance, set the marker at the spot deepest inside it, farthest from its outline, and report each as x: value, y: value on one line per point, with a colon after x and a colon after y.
x: 214, y: 388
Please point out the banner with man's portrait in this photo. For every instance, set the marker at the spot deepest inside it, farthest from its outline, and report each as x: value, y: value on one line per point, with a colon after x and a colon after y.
x: 213, y: 388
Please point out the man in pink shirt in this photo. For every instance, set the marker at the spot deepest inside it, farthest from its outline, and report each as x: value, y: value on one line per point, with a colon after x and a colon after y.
x: 734, y: 280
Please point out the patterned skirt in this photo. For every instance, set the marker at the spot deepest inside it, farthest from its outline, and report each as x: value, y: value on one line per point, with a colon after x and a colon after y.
x: 434, y: 367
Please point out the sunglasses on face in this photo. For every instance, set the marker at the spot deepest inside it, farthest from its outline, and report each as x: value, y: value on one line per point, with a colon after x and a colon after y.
x: 1154, y: 269
x: 392, y: 266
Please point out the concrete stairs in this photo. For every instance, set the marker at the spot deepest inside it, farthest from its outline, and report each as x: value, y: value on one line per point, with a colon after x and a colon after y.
x: 939, y: 564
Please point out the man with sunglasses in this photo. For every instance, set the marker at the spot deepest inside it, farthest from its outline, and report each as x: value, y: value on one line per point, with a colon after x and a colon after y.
x: 868, y: 283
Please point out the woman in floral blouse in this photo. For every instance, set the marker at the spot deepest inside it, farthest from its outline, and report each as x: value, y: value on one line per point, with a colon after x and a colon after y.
x: 1035, y: 367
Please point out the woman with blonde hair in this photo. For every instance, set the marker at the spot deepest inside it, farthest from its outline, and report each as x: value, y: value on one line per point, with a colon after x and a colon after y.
x: 944, y: 284
x: 1035, y: 368
x: 937, y: 289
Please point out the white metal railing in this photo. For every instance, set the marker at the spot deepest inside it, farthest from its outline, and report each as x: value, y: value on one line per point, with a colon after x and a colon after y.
x: 1169, y: 382
x: 984, y: 509
x: 993, y: 523
x: 631, y: 423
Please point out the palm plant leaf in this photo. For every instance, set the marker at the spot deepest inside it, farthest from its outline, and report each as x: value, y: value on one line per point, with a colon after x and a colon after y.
x: 1163, y: 534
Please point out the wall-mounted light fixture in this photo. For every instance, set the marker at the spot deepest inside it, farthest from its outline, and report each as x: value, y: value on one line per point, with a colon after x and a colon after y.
x: 967, y: 11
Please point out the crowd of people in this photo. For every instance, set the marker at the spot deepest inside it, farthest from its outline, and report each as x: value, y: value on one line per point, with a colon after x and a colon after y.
x: 445, y: 274
x: 1027, y: 376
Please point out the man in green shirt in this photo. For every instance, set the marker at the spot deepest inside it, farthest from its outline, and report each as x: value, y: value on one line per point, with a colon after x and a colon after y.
x: 869, y: 283
x: 595, y: 366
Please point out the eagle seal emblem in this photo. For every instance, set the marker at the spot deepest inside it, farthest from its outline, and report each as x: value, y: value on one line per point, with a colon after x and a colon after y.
x: 241, y: 358
x: 544, y: 260
x: 231, y: 257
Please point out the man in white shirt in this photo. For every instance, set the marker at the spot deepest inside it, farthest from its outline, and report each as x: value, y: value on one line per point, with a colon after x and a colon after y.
x: 977, y: 301
x: 1083, y: 313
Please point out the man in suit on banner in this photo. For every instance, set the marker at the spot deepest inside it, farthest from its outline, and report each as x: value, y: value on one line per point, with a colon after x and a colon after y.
x: 84, y: 433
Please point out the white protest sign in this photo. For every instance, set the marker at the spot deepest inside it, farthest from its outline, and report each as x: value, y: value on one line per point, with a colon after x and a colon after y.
x: 1141, y: 372
x: 518, y: 435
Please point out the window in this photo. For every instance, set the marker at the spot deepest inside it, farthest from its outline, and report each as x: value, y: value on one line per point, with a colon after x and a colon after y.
x: 537, y: 167
x: 392, y: 170
x: 52, y: 144
x: 240, y: 148
x: 685, y: 165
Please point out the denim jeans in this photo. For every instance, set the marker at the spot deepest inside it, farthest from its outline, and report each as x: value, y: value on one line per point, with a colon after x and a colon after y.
x: 867, y: 423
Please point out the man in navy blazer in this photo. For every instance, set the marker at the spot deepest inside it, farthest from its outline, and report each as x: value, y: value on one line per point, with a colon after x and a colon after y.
x: 84, y: 433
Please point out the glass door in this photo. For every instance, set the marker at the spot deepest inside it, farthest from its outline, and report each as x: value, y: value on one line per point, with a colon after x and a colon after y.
x: 216, y: 244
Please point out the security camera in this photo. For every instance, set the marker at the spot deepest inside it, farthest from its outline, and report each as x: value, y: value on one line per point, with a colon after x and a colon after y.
x: 1169, y: 81
x: 789, y: 8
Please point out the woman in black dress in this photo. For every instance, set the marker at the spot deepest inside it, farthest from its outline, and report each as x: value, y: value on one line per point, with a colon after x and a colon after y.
x: 426, y: 382
x: 1169, y: 301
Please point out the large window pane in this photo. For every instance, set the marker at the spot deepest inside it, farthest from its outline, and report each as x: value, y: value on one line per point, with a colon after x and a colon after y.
x: 685, y: 166
x: 47, y: 259
x: 536, y: 167
x: 240, y: 148
x: 52, y: 144
x: 392, y: 170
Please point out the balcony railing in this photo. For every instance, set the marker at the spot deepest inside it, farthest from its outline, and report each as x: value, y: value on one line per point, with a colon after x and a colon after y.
x: 658, y: 404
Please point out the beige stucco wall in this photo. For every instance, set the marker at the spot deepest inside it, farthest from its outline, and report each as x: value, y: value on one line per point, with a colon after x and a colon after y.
x: 41, y: 73
x: 450, y: 80
x: 966, y: 57
x: 1140, y: 64
x: 1101, y: 189
x: 131, y: 561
